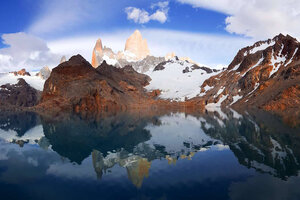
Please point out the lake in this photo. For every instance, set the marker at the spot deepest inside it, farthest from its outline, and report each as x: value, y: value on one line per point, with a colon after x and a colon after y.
x: 220, y: 154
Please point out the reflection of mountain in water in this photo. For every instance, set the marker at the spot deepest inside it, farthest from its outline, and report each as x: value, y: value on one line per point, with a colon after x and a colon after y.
x: 260, y: 141
x: 133, y: 141
x: 20, y: 128
x: 76, y: 138
x: 18, y: 122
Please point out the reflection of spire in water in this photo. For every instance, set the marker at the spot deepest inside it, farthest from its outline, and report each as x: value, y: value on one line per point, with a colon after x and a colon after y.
x: 171, y: 160
x: 189, y: 157
x: 98, y: 163
x: 137, y: 167
x: 137, y: 170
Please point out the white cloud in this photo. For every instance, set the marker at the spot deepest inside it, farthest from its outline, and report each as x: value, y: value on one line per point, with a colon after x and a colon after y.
x: 25, y: 51
x: 141, y: 16
x: 259, y: 19
x: 212, y: 50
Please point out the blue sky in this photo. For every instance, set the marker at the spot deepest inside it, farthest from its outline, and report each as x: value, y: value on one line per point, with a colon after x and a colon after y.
x: 20, y: 15
x: 208, y: 31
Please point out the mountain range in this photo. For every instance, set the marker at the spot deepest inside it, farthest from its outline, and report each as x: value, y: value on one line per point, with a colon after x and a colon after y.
x: 262, y: 76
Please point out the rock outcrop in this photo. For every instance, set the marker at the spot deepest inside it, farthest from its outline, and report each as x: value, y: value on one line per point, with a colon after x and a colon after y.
x: 19, y: 95
x: 44, y: 73
x: 22, y: 72
x: 76, y: 85
x: 137, y: 45
x: 97, y: 54
x: 265, y: 75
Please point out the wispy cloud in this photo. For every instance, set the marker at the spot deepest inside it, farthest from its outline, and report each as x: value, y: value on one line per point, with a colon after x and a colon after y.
x: 57, y: 15
x: 142, y: 16
x: 258, y: 19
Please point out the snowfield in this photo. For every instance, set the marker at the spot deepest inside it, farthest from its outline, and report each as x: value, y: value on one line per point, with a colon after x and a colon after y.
x: 34, y: 81
x: 176, y: 85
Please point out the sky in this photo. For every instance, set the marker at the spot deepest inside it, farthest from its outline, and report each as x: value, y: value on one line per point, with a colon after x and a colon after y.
x: 37, y: 33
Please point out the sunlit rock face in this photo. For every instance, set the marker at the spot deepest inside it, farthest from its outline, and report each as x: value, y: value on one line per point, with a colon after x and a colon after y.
x: 97, y: 54
x: 137, y: 45
x: 261, y: 76
x: 22, y: 72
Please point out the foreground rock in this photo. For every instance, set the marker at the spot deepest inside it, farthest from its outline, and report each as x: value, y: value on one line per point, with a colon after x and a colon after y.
x: 18, y: 95
x: 265, y: 75
x: 76, y: 86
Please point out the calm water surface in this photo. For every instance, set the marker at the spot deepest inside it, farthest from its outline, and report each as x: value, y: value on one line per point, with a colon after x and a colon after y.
x: 149, y: 155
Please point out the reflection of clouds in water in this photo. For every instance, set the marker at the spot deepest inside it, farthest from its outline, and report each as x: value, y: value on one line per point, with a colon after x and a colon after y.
x: 177, y: 129
x: 190, y: 156
x: 263, y: 187
x: 31, y: 135
x: 73, y: 170
x: 34, y: 162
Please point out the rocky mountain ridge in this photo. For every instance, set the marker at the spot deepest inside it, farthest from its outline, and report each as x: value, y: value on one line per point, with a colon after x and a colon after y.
x: 265, y: 75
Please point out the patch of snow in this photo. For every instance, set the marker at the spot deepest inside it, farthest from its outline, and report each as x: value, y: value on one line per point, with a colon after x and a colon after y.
x: 218, y: 104
x: 219, y: 92
x: 207, y: 88
x: 236, y: 98
x: 129, y: 56
x: 109, y: 60
x: 259, y: 48
x: 278, y: 60
x: 34, y: 81
x: 289, y: 62
x: 176, y: 85
x: 235, y: 67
